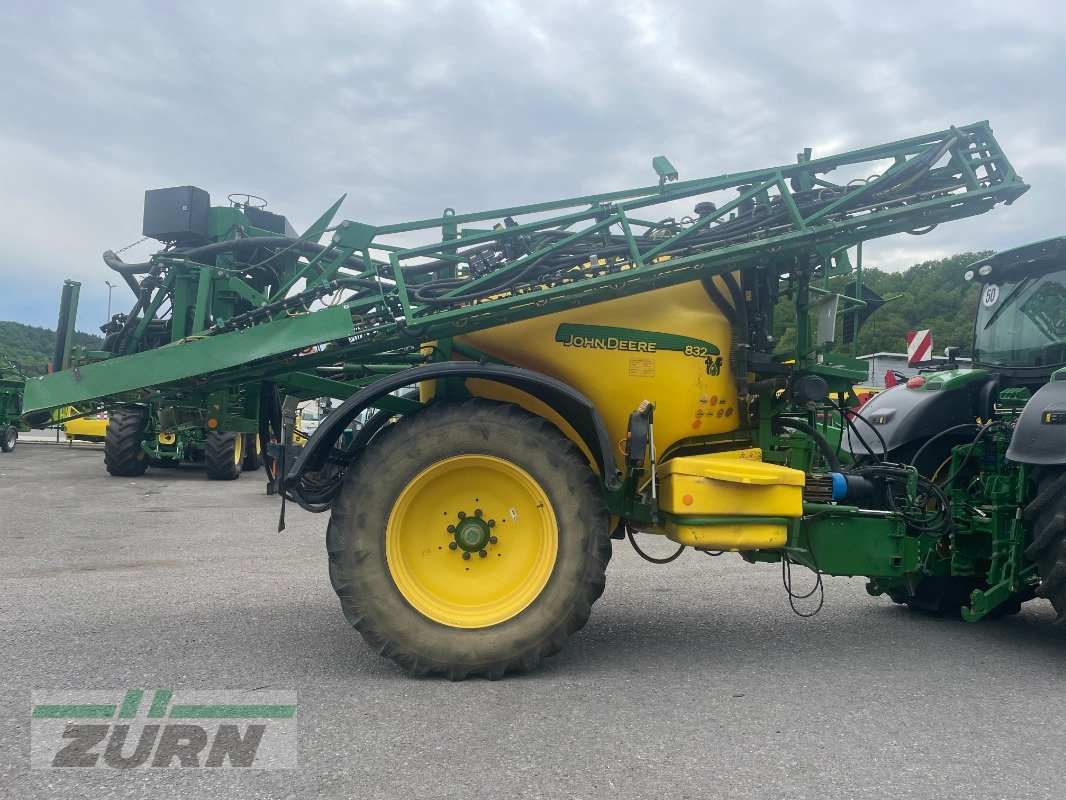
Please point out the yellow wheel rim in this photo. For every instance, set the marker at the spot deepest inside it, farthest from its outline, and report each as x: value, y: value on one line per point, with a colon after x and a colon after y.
x: 471, y: 541
x: 238, y: 448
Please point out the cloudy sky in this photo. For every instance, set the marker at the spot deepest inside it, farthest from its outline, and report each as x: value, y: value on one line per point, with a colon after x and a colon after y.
x: 411, y: 107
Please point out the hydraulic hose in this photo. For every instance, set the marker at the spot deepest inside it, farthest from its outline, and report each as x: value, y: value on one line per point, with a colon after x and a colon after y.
x: 719, y: 301
x: 127, y: 271
x: 231, y: 245
x: 745, y: 223
x: 255, y: 242
x: 942, y: 434
x: 826, y: 449
x: 122, y: 268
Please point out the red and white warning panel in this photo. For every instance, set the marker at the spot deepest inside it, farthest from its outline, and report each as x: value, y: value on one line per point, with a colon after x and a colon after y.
x: 919, y: 346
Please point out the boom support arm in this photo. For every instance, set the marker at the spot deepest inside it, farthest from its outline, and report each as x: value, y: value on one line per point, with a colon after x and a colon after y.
x: 519, y: 262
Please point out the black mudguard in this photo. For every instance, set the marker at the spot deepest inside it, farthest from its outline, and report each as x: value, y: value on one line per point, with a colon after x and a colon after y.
x: 571, y: 405
x: 903, y: 415
x: 1040, y: 434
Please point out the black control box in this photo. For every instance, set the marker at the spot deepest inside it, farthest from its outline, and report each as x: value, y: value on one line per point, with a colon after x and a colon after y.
x: 269, y: 221
x: 177, y: 214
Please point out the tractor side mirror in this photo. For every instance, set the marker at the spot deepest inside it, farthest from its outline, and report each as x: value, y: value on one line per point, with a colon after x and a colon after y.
x: 952, y: 353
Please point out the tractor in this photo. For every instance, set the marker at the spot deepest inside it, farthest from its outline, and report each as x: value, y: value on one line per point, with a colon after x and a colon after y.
x: 993, y: 438
x: 525, y: 387
x: 12, y: 382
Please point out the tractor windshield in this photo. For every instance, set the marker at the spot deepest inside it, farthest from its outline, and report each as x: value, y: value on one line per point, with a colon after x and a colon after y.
x: 1022, y: 323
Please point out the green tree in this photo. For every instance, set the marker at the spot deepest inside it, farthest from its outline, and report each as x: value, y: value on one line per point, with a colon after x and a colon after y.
x: 930, y: 295
x: 32, y: 348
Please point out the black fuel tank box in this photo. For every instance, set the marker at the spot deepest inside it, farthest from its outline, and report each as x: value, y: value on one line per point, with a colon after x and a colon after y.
x: 177, y: 214
x: 269, y: 221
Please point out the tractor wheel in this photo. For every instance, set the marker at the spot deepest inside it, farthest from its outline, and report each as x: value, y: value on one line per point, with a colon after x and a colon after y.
x: 253, y: 453
x: 10, y: 438
x: 945, y: 595
x: 223, y: 456
x: 1048, y: 515
x: 470, y: 539
x: 123, y: 455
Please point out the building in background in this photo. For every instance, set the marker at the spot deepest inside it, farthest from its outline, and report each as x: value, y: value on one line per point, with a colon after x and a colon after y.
x: 880, y: 363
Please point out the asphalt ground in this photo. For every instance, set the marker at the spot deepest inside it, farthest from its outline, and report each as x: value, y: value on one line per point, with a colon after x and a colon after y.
x: 691, y: 680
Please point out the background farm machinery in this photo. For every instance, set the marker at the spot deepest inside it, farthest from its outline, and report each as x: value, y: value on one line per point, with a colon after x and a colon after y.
x: 585, y: 368
x: 12, y: 382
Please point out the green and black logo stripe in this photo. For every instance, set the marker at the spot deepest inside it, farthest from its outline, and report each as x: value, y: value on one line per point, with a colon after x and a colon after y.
x: 602, y: 337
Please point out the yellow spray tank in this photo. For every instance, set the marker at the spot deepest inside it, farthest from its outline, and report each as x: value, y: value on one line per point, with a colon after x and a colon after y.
x: 670, y: 346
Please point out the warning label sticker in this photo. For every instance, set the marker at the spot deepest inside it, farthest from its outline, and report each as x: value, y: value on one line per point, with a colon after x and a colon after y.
x: 642, y: 368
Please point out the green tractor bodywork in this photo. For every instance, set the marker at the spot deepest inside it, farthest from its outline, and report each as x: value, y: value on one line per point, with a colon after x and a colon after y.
x: 994, y: 429
x: 12, y: 384
x: 238, y: 312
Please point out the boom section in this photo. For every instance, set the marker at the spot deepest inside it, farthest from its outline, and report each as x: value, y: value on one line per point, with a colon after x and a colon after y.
x: 376, y: 293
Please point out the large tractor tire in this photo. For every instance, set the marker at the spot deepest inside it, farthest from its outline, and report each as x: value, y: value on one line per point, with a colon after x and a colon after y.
x: 253, y: 453
x: 9, y: 438
x: 123, y: 455
x: 223, y: 456
x: 945, y: 596
x: 1047, y: 512
x: 470, y: 539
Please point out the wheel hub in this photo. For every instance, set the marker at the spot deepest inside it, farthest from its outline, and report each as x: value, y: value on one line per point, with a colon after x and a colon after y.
x: 472, y: 534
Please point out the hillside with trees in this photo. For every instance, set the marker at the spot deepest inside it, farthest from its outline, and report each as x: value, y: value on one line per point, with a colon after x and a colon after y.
x: 31, y: 348
x: 929, y: 295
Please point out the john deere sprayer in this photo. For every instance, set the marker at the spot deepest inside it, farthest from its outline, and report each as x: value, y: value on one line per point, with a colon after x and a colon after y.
x: 545, y: 379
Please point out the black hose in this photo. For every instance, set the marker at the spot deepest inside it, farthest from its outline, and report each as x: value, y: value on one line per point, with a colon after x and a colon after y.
x: 820, y: 441
x: 122, y: 268
x: 743, y: 224
x: 969, y: 451
x: 769, y: 386
x: 230, y: 245
x: 653, y: 559
x: 131, y: 320
x: 922, y: 449
x: 918, y: 520
x: 303, y: 246
x: 877, y: 433
x: 852, y: 428
x: 728, y: 311
x: 127, y: 271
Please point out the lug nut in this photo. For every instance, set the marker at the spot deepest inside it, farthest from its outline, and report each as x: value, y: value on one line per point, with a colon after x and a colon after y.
x: 451, y: 529
x: 452, y: 545
x: 477, y: 512
x: 462, y: 515
x: 466, y: 556
x: 493, y: 540
x: 482, y: 553
x: 492, y: 523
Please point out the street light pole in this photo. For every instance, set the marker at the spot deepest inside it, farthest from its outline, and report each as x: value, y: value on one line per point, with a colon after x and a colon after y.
x: 110, y: 286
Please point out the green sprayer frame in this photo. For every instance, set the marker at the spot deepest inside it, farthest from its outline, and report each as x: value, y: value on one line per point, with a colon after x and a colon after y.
x: 512, y: 264
x: 225, y: 324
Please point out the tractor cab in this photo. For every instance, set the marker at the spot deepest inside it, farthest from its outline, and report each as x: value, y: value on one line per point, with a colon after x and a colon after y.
x: 1020, y: 333
x: 1019, y: 346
